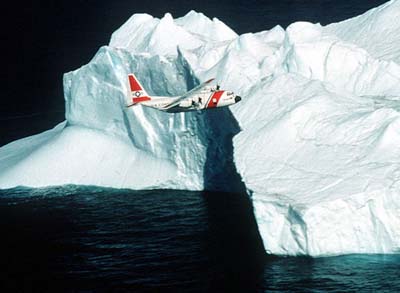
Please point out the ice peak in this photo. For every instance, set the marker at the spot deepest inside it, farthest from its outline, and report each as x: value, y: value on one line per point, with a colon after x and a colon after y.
x: 198, y: 23
x: 303, y: 31
x: 167, y: 19
x: 193, y: 14
x: 144, y: 34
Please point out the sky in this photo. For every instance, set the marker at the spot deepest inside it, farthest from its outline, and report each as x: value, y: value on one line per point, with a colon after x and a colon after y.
x: 41, y: 40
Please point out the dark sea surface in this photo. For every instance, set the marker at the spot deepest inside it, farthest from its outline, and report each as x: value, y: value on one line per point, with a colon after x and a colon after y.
x: 88, y: 239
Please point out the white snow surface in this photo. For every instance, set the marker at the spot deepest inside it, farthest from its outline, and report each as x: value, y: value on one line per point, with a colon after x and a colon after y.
x: 377, y: 31
x: 318, y: 147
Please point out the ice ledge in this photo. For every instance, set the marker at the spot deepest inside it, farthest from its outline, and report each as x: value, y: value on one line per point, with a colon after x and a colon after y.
x: 361, y: 223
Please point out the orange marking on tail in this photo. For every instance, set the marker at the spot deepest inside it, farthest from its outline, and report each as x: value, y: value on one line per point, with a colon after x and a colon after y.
x: 140, y: 99
x: 134, y: 84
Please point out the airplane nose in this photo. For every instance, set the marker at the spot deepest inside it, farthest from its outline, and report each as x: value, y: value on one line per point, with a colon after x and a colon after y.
x: 237, y: 99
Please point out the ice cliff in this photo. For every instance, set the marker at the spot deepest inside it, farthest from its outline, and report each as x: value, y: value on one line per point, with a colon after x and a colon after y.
x: 103, y: 143
x: 316, y: 138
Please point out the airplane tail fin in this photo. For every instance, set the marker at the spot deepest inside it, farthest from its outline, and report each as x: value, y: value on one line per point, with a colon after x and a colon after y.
x: 137, y: 93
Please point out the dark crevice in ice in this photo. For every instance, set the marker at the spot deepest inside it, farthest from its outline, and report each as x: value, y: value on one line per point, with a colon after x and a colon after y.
x: 220, y: 172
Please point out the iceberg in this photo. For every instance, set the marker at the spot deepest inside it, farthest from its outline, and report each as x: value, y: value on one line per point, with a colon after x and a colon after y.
x: 105, y: 144
x: 315, y: 139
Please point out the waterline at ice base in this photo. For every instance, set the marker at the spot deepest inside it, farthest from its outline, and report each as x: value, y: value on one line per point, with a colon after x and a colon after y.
x: 315, y: 140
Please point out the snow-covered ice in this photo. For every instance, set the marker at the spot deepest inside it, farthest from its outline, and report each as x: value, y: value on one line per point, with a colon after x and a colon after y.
x: 316, y: 138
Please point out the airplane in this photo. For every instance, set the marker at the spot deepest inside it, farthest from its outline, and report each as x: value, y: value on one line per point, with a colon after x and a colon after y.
x: 201, y: 97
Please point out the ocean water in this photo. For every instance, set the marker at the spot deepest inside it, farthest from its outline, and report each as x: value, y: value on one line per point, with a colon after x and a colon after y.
x: 90, y: 239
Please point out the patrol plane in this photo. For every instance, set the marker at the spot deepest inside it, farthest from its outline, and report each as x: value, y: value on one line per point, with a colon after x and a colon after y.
x: 201, y: 97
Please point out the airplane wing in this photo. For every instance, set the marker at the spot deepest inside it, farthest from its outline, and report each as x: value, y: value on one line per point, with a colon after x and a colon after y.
x: 181, y: 98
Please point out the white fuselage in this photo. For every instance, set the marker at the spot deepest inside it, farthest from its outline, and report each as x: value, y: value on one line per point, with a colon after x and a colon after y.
x: 208, y: 97
x: 198, y: 98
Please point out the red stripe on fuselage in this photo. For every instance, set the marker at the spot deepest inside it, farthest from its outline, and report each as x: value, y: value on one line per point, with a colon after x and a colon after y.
x: 140, y: 99
x: 215, y: 99
x: 134, y: 84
